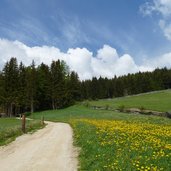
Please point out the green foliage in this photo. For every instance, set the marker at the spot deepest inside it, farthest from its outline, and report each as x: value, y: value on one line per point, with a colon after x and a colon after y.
x: 31, y: 86
x: 126, y: 85
x: 24, y: 89
x: 45, y: 87
x: 74, y: 87
x: 121, y: 108
x: 59, y: 93
x: 10, y: 77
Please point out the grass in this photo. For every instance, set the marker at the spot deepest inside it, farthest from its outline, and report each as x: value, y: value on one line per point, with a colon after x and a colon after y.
x: 79, y: 111
x: 159, y: 101
x: 111, y: 140
x: 123, y: 145
x: 10, y: 128
x: 116, y: 141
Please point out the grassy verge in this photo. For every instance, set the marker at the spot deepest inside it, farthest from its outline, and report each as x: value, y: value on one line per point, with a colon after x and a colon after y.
x: 10, y: 128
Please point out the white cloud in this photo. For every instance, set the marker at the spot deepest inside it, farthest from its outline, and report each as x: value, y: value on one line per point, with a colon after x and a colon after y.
x: 162, y: 7
x: 79, y: 60
x: 107, y: 54
x: 166, y: 29
x: 162, y: 61
x: 106, y: 63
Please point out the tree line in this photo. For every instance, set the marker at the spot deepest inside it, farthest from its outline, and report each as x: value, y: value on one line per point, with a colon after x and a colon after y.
x: 130, y: 84
x: 24, y: 89
x: 34, y: 88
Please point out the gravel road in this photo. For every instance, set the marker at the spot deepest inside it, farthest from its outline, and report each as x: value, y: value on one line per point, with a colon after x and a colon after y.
x: 48, y: 149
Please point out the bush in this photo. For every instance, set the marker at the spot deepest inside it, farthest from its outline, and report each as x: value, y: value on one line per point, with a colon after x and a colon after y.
x: 121, y: 108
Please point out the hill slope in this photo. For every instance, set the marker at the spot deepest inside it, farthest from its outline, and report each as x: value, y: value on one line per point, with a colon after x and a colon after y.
x: 159, y: 101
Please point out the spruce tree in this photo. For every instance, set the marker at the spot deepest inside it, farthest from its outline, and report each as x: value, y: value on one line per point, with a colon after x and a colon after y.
x: 58, y: 84
x: 43, y: 87
x: 11, y: 76
x: 31, y: 86
x: 74, y: 87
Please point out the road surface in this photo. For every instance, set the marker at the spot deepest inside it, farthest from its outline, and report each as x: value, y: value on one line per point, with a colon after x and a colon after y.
x: 48, y: 149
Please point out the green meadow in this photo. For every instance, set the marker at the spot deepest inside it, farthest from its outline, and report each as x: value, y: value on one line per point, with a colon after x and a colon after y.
x: 110, y: 140
x: 159, y: 101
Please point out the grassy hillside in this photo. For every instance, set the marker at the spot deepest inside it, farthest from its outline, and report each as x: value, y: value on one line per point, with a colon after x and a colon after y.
x: 10, y: 128
x: 81, y: 112
x: 159, y: 101
x: 117, y: 141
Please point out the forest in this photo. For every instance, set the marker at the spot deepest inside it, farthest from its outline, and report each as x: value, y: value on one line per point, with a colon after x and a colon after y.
x: 36, y: 88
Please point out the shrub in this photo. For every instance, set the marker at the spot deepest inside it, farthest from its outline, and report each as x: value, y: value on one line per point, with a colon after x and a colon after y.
x: 121, y: 108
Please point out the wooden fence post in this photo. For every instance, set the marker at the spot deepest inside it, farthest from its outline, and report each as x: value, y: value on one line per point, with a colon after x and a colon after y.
x: 23, y: 123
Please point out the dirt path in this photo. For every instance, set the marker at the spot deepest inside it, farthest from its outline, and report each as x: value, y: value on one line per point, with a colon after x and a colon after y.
x: 49, y: 149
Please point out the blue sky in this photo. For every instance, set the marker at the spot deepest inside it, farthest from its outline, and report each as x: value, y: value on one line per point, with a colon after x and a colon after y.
x: 130, y: 26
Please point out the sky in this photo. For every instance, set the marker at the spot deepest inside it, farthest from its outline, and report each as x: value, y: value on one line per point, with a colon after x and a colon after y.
x: 94, y: 37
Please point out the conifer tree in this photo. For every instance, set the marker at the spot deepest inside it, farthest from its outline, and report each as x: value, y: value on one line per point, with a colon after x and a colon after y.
x: 58, y: 84
x: 43, y: 89
x: 22, y: 83
x: 31, y: 86
x: 11, y: 76
x: 74, y: 87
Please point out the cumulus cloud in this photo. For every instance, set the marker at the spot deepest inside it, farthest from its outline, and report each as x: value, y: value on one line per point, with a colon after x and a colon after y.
x: 106, y: 63
x: 162, y: 7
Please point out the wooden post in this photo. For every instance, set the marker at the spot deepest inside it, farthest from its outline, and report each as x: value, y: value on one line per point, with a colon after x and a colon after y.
x: 42, y: 120
x: 23, y: 123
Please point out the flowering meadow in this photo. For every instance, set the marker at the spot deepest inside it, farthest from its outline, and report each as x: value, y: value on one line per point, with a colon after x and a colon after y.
x: 109, y: 140
x: 123, y: 145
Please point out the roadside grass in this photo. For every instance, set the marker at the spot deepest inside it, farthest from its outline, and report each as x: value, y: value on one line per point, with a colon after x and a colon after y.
x: 10, y: 128
x: 116, y: 141
x: 159, y: 101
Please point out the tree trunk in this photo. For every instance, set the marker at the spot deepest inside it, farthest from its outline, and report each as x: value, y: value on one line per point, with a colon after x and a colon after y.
x: 11, y: 109
x: 8, y: 110
x: 53, y: 104
x: 32, y: 106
